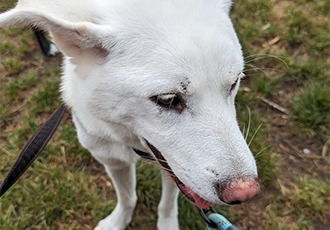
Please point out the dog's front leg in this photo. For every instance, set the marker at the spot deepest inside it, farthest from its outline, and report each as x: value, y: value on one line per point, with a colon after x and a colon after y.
x: 168, y: 206
x: 123, y: 178
x: 121, y: 172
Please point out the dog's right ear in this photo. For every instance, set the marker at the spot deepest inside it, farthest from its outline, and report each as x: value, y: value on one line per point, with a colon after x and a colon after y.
x: 76, y: 40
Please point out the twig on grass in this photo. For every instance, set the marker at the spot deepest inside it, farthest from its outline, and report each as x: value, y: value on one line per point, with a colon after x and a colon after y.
x: 271, y: 42
x: 268, y: 102
x: 274, y: 105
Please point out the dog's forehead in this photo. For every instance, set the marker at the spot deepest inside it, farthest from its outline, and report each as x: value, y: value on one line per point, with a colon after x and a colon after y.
x: 177, y: 46
x: 199, y: 63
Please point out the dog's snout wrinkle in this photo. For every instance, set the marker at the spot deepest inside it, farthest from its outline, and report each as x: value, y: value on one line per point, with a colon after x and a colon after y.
x: 238, y: 190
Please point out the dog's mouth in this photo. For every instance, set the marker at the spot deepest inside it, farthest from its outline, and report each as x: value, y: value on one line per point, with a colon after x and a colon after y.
x: 186, y: 191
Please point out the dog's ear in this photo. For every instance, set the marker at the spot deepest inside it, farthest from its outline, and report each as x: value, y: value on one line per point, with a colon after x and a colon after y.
x: 77, y: 40
x: 224, y: 5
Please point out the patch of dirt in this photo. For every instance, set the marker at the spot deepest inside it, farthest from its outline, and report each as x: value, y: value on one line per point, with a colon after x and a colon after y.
x: 300, y: 154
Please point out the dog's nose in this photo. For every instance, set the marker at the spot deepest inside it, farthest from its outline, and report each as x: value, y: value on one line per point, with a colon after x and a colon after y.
x: 238, y: 190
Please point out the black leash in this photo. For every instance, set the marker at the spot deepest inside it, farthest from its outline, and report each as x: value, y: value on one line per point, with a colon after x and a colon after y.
x: 35, y: 145
x: 32, y: 149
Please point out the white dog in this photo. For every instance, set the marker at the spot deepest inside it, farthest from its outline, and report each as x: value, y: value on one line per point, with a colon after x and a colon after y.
x: 159, y: 76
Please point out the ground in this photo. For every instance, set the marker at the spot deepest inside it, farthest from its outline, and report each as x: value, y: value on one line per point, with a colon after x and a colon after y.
x: 283, y: 109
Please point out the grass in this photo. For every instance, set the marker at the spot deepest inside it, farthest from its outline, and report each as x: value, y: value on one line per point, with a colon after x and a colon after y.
x: 286, y: 45
x: 311, y: 107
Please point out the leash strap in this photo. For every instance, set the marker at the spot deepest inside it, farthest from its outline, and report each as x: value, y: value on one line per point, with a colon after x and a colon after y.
x: 32, y: 149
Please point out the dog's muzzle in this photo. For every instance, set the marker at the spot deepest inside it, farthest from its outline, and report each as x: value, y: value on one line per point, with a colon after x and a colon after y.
x: 234, y: 191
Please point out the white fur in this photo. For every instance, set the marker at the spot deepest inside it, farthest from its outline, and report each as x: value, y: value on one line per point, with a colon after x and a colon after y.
x: 52, y: 50
x: 119, y: 53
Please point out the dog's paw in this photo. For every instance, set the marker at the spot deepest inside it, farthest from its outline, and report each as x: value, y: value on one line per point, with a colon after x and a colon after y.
x: 117, y: 220
x: 168, y: 223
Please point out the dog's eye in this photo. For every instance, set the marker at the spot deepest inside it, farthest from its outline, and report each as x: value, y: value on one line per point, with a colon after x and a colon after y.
x: 169, y: 101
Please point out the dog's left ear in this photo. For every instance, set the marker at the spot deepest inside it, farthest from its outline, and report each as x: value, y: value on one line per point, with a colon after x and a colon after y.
x: 76, y: 40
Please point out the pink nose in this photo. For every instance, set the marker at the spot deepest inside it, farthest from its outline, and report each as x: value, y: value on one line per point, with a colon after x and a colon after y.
x: 239, y: 190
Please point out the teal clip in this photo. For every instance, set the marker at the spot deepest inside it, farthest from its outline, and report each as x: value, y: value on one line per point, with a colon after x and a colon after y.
x: 221, y: 222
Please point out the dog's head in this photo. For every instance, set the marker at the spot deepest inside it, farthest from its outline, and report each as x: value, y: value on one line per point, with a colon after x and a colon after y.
x: 167, y: 71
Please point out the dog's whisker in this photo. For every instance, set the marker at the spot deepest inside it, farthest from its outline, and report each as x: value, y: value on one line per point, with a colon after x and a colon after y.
x: 261, y: 151
x: 258, y: 162
x: 254, y: 57
x: 182, y: 197
x: 161, y: 167
x: 249, y: 123
x: 243, y: 129
x: 187, y: 193
x: 257, y: 57
x: 254, y: 134
x: 256, y: 69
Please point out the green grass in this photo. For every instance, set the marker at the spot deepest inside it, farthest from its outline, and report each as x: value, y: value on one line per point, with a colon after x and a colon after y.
x: 67, y: 189
x: 313, y: 195
x: 308, y: 200
x: 311, y: 107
